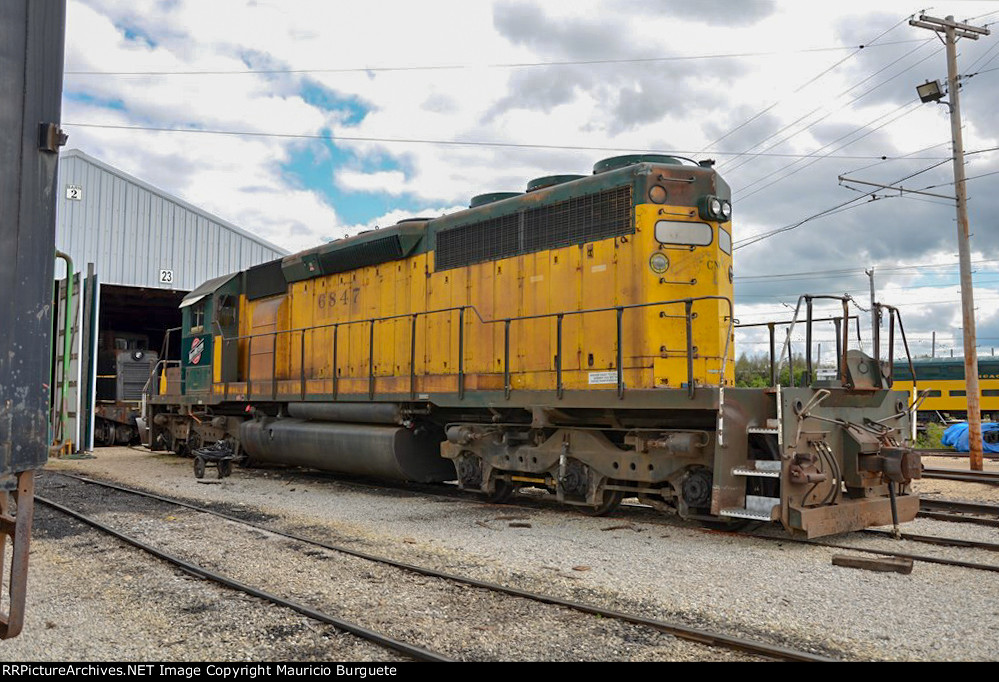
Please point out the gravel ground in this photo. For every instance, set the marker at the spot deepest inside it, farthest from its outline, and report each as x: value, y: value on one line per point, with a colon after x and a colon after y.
x: 461, y: 622
x: 633, y: 561
x: 957, y: 490
x: 92, y: 598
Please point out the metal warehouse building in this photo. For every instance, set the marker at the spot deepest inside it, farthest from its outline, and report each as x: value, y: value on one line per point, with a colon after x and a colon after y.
x: 138, y: 251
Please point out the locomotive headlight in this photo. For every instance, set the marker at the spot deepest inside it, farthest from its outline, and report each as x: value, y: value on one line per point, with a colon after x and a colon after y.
x: 714, y: 209
x: 657, y: 194
x: 659, y: 263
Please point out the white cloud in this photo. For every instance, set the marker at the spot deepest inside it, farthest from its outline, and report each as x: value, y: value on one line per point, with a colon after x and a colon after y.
x: 678, y: 105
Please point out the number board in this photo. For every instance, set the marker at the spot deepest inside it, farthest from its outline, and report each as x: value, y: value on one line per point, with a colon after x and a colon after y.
x: 166, y: 276
x: 74, y: 192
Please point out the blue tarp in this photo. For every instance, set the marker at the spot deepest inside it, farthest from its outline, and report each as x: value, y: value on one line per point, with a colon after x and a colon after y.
x: 956, y: 436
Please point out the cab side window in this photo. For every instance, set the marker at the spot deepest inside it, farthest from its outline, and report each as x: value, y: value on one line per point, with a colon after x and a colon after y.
x: 198, y: 318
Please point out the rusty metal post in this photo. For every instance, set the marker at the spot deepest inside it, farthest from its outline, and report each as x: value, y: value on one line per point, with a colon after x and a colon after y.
x: 274, y: 345
x: 620, y: 354
x: 846, y: 339
x: 412, y: 358
x: 18, y: 529
x: 688, y: 310
x: 891, y: 346
x: 806, y: 379
x: 249, y: 370
x: 461, y: 353
x: 839, y: 345
x: 506, y: 358
x: 302, y: 365
x: 336, y: 376
x: 773, y: 354
x: 371, y: 361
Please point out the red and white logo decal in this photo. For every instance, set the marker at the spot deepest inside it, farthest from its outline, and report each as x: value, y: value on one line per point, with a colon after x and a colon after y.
x: 197, y: 350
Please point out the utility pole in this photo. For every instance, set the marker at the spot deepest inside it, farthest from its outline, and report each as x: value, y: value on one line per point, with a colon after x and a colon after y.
x: 951, y: 31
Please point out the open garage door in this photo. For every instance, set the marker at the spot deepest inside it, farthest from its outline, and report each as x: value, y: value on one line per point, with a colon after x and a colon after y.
x: 131, y: 328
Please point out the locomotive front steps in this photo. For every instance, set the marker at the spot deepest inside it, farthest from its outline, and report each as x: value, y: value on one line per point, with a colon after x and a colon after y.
x: 763, y: 468
x: 757, y: 509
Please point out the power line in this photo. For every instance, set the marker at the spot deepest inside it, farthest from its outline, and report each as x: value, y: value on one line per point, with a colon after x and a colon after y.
x: 829, y: 113
x: 881, y: 268
x: 864, y: 94
x: 845, y: 206
x: 456, y: 67
x: 801, y: 87
x: 832, y: 211
x: 913, y: 106
x: 398, y: 140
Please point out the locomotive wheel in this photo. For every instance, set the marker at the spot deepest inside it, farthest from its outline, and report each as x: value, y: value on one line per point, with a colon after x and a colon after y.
x: 199, y: 467
x: 612, y: 500
x: 225, y: 468
x: 503, y: 492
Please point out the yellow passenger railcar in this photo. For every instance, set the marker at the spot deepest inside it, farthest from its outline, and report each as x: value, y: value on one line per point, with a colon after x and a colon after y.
x: 943, y: 379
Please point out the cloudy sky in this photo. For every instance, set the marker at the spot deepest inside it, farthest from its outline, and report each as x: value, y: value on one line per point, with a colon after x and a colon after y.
x: 305, y: 120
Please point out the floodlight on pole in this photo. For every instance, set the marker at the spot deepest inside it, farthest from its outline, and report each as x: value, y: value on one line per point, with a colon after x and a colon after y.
x: 930, y: 91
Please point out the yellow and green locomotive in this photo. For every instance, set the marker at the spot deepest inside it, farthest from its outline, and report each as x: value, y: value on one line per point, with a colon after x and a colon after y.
x: 577, y: 337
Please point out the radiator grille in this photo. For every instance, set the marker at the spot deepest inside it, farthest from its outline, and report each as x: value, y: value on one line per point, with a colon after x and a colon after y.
x: 574, y: 221
x: 133, y: 379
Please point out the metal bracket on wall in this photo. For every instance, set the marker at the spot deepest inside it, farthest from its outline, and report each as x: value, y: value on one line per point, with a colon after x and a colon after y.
x: 18, y: 528
x: 51, y: 137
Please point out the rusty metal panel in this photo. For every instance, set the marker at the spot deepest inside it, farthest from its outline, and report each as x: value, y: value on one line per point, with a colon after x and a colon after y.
x: 31, y: 58
x: 31, y: 62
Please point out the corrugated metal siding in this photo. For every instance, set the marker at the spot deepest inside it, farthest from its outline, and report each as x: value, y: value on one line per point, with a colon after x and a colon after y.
x: 131, y: 231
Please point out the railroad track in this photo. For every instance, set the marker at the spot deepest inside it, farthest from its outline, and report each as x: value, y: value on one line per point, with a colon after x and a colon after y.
x: 953, y: 454
x: 413, y: 651
x: 991, y: 477
x: 960, y: 512
x: 677, y: 630
x: 658, y: 517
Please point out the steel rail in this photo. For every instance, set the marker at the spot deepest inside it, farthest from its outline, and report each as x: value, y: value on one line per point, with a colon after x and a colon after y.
x: 954, y: 511
x: 959, y: 506
x: 951, y: 454
x: 958, y: 518
x: 416, y: 652
x: 990, y: 477
x: 936, y: 540
x: 906, y: 555
x: 679, y: 631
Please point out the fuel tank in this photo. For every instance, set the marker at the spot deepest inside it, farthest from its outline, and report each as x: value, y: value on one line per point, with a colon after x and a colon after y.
x: 390, y: 452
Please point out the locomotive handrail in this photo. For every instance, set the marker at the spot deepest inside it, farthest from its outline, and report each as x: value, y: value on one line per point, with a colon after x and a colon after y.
x: 154, y: 373
x: 894, y: 314
x: 772, y: 327
x: 506, y: 321
x: 842, y: 352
